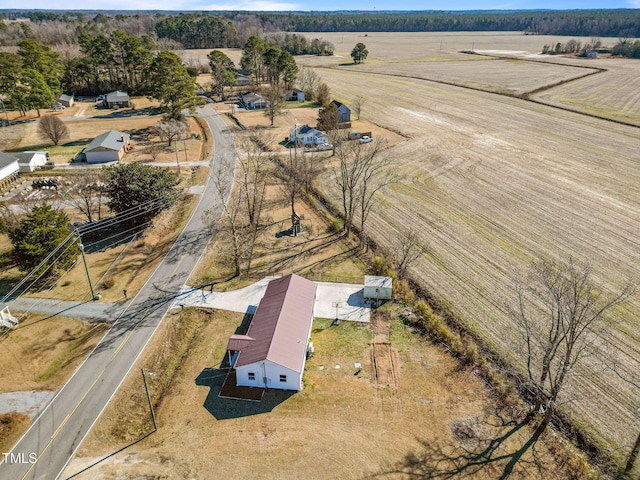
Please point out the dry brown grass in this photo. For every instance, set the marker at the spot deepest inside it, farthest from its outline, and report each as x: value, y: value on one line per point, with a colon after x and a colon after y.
x: 317, y: 253
x: 339, y: 419
x: 493, y: 182
x: 82, y: 130
x: 42, y: 352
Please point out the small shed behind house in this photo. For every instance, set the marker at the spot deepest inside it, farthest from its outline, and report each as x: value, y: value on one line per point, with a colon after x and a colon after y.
x: 377, y: 288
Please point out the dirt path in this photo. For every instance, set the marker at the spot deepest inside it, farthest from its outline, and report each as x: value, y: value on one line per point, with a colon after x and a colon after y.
x: 82, y: 111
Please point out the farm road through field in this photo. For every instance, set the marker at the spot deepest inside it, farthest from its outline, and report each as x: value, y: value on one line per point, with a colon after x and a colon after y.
x: 493, y: 182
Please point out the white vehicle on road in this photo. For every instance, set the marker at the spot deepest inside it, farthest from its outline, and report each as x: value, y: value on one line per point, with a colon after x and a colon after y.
x: 366, y: 139
x: 324, y: 146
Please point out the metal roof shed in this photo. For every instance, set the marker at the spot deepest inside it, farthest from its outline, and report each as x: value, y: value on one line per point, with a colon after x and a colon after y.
x: 378, y: 288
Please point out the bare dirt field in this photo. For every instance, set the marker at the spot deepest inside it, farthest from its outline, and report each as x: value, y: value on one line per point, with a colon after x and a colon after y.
x: 340, y: 419
x: 510, y: 76
x: 612, y: 94
x: 493, y: 182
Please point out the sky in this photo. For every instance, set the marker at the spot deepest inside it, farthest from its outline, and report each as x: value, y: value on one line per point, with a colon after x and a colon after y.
x: 322, y: 5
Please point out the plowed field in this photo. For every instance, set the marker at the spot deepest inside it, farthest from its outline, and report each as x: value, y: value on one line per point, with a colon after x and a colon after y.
x: 493, y: 182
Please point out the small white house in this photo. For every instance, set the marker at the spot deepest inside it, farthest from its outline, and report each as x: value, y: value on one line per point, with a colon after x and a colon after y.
x: 116, y: 99
x: 254, y: 101
x: 306, y: 135
x: 273, y: 352
x: 30, y: 161
x: 8, y: 168
x: 377, y: 288
x: 108, y: 147
x: 293, y: 95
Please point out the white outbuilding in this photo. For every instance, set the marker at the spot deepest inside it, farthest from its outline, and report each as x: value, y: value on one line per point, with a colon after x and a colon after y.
x: 273, y: 352
x: 8, y: 168
x: 108, y: 147
x: 378, y: 288
x: 30, y: 161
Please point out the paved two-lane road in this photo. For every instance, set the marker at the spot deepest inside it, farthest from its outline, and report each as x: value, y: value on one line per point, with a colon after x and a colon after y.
x: 58, y: 431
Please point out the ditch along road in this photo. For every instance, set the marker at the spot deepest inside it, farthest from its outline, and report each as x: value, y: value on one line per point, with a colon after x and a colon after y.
x: 55, y: 435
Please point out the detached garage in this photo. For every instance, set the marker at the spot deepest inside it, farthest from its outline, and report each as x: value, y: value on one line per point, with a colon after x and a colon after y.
x: 30, y: 161
x: 273, y: 352
x: 108, y: 147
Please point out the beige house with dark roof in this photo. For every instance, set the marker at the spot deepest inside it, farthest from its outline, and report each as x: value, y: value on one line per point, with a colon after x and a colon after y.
x: 108, y: 147
x: 273, y: 352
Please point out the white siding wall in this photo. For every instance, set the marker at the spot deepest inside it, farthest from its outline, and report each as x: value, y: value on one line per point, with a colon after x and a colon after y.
x: 9, y: 170
x: 39, y: 159
x: 272, y: 371
x: 100, y: 157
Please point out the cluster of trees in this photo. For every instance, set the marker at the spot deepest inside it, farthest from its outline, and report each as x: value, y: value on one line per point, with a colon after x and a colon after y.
x: 30, y: 79
x: 231, y: 29
x: 34, y: 77
x: 572, y: 47
x: 114, y: 61
x: 268, y: 63
x: 198, y: 31
x: 297, y: 44
x: 627, y: 48
x: 134, y: 193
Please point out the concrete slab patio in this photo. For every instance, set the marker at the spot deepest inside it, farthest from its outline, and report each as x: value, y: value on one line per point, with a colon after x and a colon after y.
x: 333, y: 300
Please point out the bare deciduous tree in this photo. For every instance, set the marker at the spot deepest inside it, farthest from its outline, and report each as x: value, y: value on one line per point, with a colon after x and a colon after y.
x: 357, y: 105
x: 255, y: 168
x: 360, y: 173
x: 407, y: 248
x: 291, y: 175
x: 323, y: 94
x: 231, y: 225
x: 88, y: 195
x: 52, y: 128
x: 308, y: 81
x: 560, y: 310
x: 377, y: 174
x: 170, y: 130
x: 276, y: 103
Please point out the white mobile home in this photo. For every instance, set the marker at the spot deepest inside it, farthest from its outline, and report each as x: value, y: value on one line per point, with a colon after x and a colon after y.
x: 273, y: 352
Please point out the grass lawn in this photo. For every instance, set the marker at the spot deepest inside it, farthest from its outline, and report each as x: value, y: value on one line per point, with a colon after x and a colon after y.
x: 340, y: 418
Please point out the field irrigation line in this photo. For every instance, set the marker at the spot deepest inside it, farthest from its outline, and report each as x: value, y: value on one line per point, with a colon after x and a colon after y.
x: 72, y: 454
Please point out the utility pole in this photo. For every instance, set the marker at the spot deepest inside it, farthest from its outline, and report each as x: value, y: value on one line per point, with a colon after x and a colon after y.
x: 177, y: 161
x: 94, y: 296
x: 146, y: 387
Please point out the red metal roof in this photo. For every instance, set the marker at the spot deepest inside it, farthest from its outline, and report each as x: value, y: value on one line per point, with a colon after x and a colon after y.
x: 281, y: 324
x: 239, y: 342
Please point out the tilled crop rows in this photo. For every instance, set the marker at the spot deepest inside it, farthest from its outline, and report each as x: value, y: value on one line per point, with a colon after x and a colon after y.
x: 494, y: 182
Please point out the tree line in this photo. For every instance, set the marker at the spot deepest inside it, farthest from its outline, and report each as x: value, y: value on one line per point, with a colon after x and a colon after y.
x: 232, y: 29
x: 34, y: 77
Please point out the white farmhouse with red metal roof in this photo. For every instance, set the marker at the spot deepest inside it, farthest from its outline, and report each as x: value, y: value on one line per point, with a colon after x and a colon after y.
x: 273, y: 352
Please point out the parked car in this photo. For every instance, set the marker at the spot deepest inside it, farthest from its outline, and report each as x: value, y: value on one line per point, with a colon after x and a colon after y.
x: 324, y: 146
x: 366, y: 139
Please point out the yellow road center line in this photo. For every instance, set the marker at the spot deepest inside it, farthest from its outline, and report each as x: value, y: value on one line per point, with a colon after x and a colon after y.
x: 115, y: 353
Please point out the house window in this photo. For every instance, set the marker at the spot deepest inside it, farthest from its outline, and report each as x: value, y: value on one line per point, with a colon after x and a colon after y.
x: 252, y: 376
x: 283, y: 378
